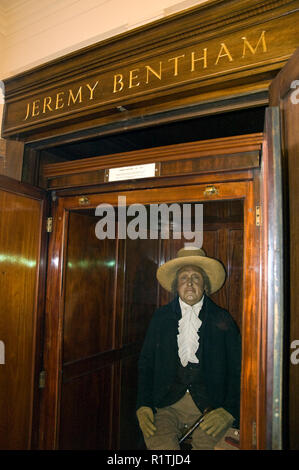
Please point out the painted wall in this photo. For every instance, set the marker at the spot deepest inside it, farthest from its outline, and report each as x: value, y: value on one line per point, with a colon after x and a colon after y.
x: 36, y: 31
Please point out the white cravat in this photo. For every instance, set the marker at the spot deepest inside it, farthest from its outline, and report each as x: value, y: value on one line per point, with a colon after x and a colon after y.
x: 189, y: 324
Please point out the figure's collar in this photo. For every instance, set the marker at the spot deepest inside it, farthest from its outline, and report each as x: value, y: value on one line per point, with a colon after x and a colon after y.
x: 176, y: 308
x: 196, y: 307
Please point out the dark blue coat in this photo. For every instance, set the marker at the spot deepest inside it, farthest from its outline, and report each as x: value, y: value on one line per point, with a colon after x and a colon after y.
x: 219, y: 354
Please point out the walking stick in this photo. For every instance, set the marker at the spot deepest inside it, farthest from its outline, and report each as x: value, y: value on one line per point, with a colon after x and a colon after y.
x: 194, y: 425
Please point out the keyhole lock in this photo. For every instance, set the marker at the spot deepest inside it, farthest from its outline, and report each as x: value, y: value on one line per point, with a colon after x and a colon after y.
x: 211, y: 191
x: 83, y: 201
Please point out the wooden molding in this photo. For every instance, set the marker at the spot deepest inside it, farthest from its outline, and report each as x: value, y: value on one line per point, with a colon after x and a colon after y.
x: 281, y: 86
x: 222, y: 146
x: 2, y: 147
x: 215, y: 156
x: 200, y: 21
x: 11, y: 158
x: 2, y: 156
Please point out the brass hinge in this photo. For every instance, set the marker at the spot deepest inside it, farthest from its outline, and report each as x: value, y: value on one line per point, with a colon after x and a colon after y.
x: 49, y: 224
x: 258, y: 216
x: 42, y: 379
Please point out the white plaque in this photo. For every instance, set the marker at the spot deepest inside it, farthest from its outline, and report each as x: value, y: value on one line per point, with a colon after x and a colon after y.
x: 132, y: 172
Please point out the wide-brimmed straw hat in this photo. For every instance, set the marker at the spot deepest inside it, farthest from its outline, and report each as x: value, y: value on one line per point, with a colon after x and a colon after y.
x: 192, y: 256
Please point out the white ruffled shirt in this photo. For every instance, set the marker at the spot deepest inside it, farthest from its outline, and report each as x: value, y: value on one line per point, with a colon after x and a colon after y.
x: 189, y: 324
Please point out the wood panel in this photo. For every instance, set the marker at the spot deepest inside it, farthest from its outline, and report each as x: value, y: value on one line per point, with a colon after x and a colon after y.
x: 251, y: 366
x: 137, y: 301
x: 130, y: 436
x: 2, y: 156
x: 89, y: 332
x: 226, y: 244
x: 140, y: 287
x: 283, y: 94
x: 85, y: 411
x: 21, y: 305
x: 89, y: 291
x: 235, y: 270
x: 291, y: 142
x: 11, y: 154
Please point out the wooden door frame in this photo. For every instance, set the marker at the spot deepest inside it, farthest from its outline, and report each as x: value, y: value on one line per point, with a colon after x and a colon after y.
x: 273, y: 282
x: 280, y: 94
x: 246, y: 189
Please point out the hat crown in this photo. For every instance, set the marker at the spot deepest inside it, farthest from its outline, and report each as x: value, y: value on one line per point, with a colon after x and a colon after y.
x: 191, y: 255
x: 190, y: 251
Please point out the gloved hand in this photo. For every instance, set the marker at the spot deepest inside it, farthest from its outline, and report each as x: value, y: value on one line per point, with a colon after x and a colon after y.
x: 145, y: 417
x: 216, y: 421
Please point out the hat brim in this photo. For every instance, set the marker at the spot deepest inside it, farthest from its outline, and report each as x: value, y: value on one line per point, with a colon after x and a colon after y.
x: 212, y: 267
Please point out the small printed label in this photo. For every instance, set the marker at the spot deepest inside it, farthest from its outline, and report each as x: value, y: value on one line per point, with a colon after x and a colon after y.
x: 132, y: 172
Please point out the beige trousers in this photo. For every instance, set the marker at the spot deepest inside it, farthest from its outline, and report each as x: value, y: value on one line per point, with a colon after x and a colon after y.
x: 171, y: 423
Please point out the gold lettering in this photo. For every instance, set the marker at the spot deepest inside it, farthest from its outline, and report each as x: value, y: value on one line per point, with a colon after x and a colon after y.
x: 47, y: 102
x: 118, y: 80
x: 176, y: 61
x: 227, y: 53
x: 35, y: 108
x: 133, y: 77
x: 204, y: 58
x: 74, y: 99
x: 253, y: 50
x: 199, y: 60
x: 27, y: 112
x: 59, y: 100
x: 150, y: 69
x: 91, y: 89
